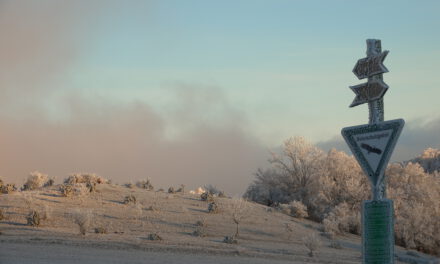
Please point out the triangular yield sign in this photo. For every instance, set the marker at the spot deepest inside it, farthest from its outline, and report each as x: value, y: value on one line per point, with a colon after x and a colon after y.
x: 372, y: 145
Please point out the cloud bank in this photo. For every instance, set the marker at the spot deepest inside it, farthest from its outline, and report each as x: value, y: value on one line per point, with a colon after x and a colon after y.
x: 123, y: 142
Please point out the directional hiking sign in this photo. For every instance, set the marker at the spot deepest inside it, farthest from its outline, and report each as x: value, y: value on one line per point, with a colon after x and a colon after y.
x: 372, y: 145
x: 369, y: 91
x: 370, y: 66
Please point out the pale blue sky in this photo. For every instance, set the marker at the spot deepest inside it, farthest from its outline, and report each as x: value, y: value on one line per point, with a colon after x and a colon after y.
x: 284, y: 65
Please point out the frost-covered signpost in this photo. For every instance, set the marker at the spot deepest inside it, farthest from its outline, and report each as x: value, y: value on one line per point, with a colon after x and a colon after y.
x: 372, y: 145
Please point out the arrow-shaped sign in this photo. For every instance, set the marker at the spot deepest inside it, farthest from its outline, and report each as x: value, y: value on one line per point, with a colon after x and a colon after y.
x: 370, y: 66
x: 369, y: 91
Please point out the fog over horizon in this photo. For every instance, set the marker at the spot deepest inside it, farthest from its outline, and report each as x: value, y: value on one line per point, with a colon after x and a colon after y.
x: 204, y: 138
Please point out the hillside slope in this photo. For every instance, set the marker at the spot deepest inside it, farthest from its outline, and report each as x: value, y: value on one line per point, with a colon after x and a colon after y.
x: 263, y: 231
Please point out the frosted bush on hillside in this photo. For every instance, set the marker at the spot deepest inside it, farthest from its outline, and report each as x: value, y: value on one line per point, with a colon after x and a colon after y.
x: 207, y: 196
x: 130, y: 199
x: 8, y: 188
x: 83, y: 219
x: 33, y: 219
x: 312, y: 243
x: 213, y: 208
x: 87, y: 178
x: 35, y: 180
x: 154, y: 237
x: 342, y: 219
x: 145, y: 184
x: 298, y: 209
x: 66, y: 190
x: 100, y: 230
x: 230, y: 240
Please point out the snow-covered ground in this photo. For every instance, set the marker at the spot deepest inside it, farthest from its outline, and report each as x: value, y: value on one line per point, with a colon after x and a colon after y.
x: 264, y: 237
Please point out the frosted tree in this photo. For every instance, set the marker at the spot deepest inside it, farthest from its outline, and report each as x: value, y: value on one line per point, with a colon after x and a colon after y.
x: 416, y: 196
x: 299, y: 167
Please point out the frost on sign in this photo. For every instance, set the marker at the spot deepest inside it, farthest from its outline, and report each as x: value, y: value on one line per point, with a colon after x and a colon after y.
x: 369, y: 91
x: 372, y: 145
x: 370, y: 66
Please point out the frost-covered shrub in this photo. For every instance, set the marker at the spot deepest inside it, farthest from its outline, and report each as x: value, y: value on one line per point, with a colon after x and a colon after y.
x: 154, y: 236
x: 212, y: 208
x: 200, y: 231
x: 130, y: 199
x: 298, y: 209
x: 284, y: 208
x: 145, y: 184
x: 206, y: 196
x: 230, y: 240
x: 312, y: 243
x: 8, y: 188
x: 201, y: 222
x: 100, y: 230
x: 342, y: 219
x: 82, y: 218
x: 91, y: 187
x: 49, y: 182
x: 33, y: 219
x: 36, y: 180
x: 86, y: 178
x: 66, y: 190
